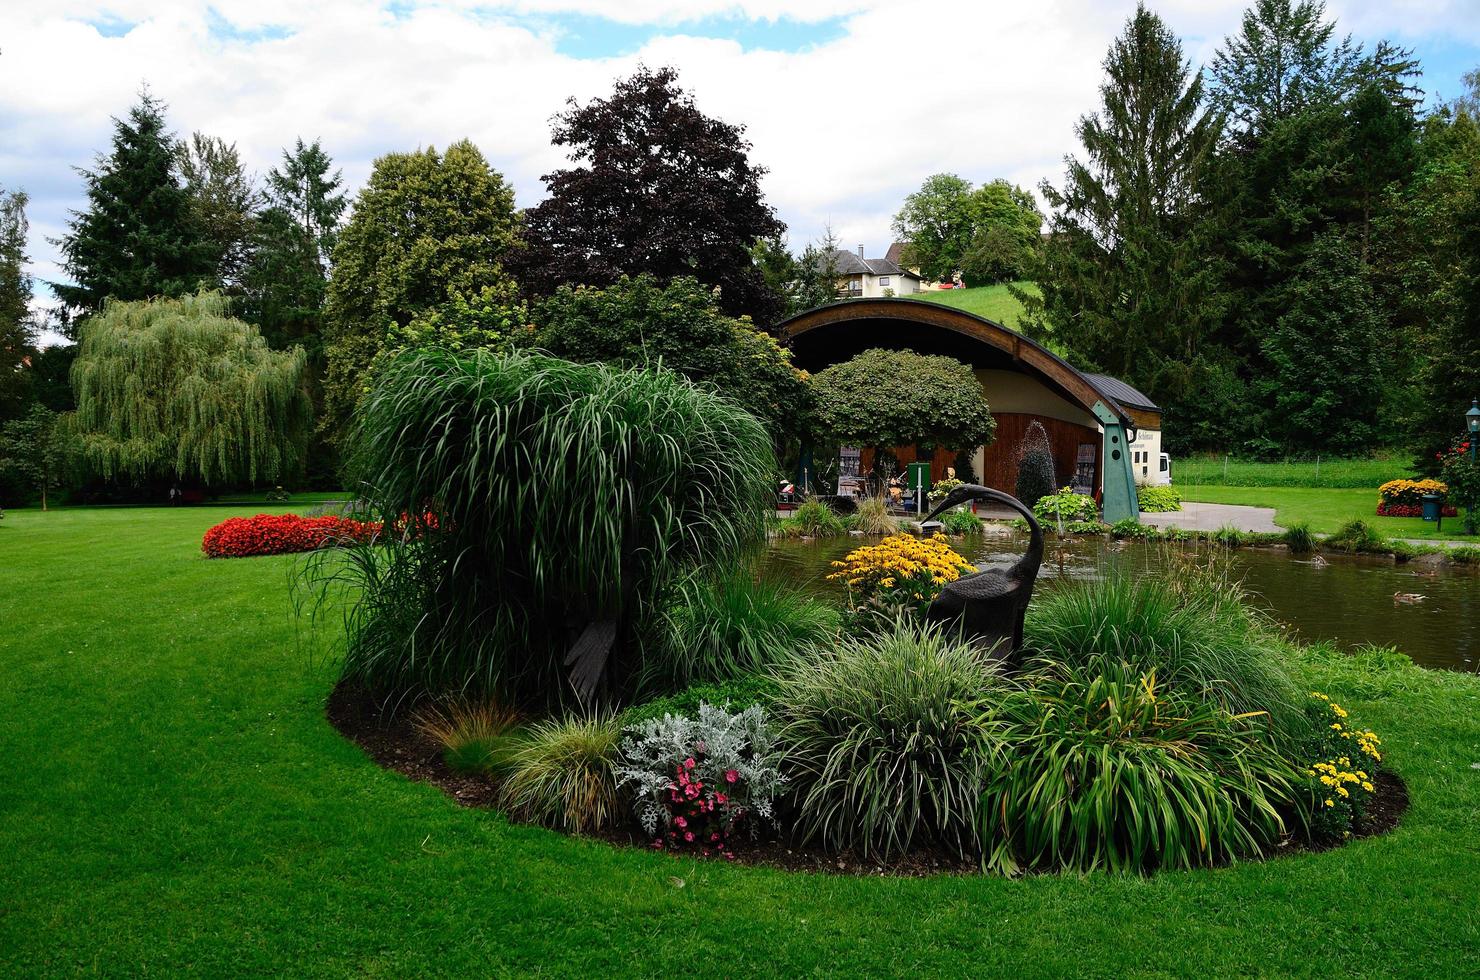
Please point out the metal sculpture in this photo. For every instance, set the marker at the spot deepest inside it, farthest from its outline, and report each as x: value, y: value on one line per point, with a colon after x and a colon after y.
x: 988, y: 607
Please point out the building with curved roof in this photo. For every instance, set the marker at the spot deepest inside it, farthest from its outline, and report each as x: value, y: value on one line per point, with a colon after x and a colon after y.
x: 1097, y: 425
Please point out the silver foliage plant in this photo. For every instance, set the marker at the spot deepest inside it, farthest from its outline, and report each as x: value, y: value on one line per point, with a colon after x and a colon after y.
x: 719, y: 742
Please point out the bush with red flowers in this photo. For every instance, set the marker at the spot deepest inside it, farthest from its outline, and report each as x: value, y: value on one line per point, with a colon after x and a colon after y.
x: 1461, y: 471
x: 282, y: 534
x: 1411, y: 510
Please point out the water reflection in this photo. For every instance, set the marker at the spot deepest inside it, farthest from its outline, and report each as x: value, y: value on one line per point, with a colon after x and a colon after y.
x: 1347, y: 600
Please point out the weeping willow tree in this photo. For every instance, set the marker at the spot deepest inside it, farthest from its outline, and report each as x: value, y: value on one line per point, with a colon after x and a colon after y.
x: 534, y: 506
x: 175, y: 387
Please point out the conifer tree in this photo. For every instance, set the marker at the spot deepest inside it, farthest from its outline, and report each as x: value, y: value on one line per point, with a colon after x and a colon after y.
x: 137, y: 236
x: 1130, y: 283
x: 17, y: 327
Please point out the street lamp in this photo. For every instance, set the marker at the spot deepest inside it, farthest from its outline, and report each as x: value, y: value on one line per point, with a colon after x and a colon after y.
x: 1472, y: 419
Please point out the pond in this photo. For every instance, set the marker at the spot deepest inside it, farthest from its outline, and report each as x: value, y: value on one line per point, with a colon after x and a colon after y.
x: 1349, y: 600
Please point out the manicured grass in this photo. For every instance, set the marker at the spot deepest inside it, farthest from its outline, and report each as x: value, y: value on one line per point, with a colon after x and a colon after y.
x: 175, y: 802
x: 1327, y: 509
x: 1367, y: 474
x: 992, y: 302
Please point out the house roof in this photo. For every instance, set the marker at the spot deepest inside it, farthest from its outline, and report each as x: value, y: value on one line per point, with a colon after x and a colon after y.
x: 853, y: 264
x: 895, y: 253
x: 1122, y: 392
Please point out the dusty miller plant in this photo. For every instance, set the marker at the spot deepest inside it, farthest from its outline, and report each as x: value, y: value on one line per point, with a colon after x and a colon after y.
x: 730, y: 758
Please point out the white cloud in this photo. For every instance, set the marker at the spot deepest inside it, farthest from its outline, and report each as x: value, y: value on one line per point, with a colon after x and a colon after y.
x: 847, y: 127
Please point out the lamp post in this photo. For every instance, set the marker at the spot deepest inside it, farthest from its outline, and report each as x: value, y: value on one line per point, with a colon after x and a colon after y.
x: 1472, y: 419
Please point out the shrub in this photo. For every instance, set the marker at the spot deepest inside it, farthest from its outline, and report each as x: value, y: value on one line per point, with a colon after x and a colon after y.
x: 1157, y: 499
x: 1129, y: 527
x: 559, y: 773
x: 1358, y: 537
x: 473, y: 735
x: 1413, y: 510
x: 1066, y: 505
x: 734, y: 695
x: 1462, y: 473
x: 1035, y: 476
x: 1109, y: 769
x: 1408, y: 492
x: 1229, y: 537
x: 1342, y: 771
x: 961, y: 522
x: 940, y: 489
x: 1189, y: 624
x: 729, y: 626
x: 695, y: 781
x: 885, y: 741
x: 1464, y: 556
x: 1299, y: 539
x: 283, y: 534
x: 873, y: 518
x: 913, y: 569
x: 812, y: 519
x: 643, y: 476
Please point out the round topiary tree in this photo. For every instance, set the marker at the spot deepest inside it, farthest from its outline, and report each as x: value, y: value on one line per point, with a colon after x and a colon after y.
x: 1035, y: 476
x: 884, y: 398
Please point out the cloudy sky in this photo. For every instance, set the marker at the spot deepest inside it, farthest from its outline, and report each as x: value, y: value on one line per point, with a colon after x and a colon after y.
x: 849, y: 103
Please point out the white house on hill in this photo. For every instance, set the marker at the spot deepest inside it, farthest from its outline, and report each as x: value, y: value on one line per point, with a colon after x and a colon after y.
x: 861, y: 278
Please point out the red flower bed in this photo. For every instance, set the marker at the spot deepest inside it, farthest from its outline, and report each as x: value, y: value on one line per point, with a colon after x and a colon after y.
x: 1410, y: 510
x: 281, y: 534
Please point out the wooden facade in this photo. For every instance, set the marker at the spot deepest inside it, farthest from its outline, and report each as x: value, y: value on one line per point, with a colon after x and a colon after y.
x: 1000, y: 459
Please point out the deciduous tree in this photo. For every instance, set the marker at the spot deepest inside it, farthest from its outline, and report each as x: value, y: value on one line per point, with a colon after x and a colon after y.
x: 885, y: 398
x: 35, y: 449
x: 658, y: 187
x: 175, y: 387
x: 429, y: 229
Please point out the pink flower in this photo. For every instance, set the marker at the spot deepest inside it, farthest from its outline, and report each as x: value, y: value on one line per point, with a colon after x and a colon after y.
x: 689, y: 836
x: 731, y: 775
x: 688, y: 763
x: 681, y: 822
x: 721, y: 798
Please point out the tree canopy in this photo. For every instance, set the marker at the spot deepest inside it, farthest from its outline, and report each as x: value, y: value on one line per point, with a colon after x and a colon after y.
x: 989, y: 234
x: 639, y: 322
x: 175, y: 387
x: 137, y: 237
x: 658, y: 187
x: 1130, y: 283
x: 17, y: 329
x: 36, y: 450
x: 885, y: 398
x: 428, y: 230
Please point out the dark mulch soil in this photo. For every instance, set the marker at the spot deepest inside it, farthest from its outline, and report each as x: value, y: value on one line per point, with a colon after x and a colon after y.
x: 393, y: 742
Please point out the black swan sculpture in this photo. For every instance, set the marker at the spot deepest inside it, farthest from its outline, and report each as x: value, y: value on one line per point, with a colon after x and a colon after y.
x: 988, y: 607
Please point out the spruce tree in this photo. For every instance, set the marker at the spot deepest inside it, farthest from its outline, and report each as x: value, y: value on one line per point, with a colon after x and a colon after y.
x: 224, y: 201
x: 1131, y: 281
x: 288, y: 277
x: 17, y: 327
x: 137, y: 237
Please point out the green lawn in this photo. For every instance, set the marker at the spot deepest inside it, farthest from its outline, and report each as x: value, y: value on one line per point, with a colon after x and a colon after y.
x: 1326, y: 508
x: 174, y: 802
x: 992, y: 302
x: 1367, y: 473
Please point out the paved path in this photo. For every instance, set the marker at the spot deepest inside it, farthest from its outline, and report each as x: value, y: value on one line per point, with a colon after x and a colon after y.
x: 1210, y: 517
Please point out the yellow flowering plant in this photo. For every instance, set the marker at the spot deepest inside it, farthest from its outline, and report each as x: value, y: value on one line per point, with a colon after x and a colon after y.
x: 901, y: 568
x: 1343, y: 773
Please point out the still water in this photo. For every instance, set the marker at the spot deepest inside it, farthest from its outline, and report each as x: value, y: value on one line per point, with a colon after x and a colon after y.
x: 1348, y: 600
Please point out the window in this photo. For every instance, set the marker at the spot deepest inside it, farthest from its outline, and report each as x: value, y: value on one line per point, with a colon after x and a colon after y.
x: 883, y: 280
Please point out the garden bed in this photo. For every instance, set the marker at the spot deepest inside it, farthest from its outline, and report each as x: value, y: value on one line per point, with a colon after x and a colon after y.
x: 394, y: 743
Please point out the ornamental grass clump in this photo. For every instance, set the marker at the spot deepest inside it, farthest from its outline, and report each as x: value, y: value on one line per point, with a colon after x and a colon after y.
x: 887, y: 741
x: 873, y: 518
x: 728, y: 626
x: 559, y: 773
x: 697, y: 781
x: 1190, y: 624
x: 1107, y: 768
x: 473, y: 734
x: 812, y: 519
x: 549, y: 498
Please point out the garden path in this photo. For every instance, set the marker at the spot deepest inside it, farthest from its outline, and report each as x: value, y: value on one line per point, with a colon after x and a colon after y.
x: 1210, y: 517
